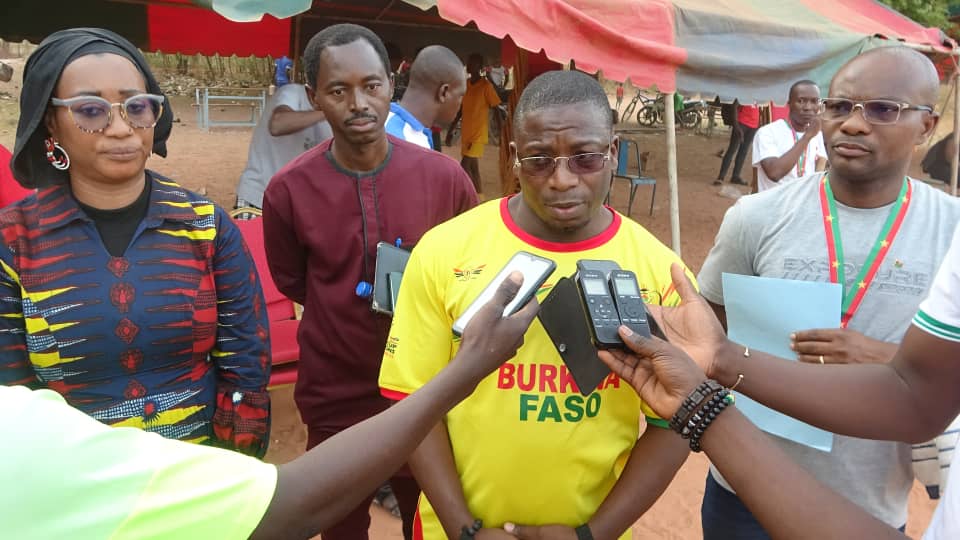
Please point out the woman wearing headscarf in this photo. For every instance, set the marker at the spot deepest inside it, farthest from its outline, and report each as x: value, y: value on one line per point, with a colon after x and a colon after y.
x: 132, y: 297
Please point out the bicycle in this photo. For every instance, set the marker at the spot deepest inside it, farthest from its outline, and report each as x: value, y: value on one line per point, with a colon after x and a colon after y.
x: 649, y: 115
x: 637, y: 98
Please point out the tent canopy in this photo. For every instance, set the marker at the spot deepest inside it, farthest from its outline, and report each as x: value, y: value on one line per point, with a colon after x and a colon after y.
x: 172, y: 26
x: 752, y: 50
x: 208, y: 27
x: 749, y: 49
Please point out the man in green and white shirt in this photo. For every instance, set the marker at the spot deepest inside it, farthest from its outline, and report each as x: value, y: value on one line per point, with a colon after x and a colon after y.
x: 939, y: 315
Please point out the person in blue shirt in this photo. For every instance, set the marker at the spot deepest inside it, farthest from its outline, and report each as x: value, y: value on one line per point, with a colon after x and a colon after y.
x: 437, y: 84
x: 283, y: 73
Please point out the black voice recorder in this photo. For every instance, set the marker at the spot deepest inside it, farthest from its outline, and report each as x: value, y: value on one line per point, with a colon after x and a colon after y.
x: 626, y: 295
x: 600, y: 309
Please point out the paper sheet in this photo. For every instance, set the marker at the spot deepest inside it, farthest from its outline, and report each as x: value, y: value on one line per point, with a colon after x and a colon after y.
x: 761, y: 314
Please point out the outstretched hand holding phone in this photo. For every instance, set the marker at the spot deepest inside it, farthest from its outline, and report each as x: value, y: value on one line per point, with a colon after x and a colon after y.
x: 296, y: 500
x: 319, y: 488
x: 490, y: 339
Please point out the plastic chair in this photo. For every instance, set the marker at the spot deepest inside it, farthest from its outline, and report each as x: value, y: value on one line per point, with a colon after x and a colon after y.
x: 636, y: 180
x: 283, y: 313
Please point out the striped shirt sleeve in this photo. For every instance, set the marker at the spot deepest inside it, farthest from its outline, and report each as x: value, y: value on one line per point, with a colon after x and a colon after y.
x: 939, y: 314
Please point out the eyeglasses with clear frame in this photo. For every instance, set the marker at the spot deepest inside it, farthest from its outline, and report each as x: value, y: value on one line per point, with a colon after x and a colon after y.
x: 588, y: 162
x: 875, y: 111
x: 93, y: 114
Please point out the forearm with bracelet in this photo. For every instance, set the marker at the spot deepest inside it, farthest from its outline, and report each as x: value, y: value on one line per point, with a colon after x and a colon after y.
x: 699, y: 410
x: 468, y: 533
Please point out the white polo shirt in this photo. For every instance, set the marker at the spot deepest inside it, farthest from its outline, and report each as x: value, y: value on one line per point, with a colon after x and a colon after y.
x: 776, y: 139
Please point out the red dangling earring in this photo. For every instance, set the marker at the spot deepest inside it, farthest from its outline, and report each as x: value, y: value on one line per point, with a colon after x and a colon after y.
x: 61, y: 162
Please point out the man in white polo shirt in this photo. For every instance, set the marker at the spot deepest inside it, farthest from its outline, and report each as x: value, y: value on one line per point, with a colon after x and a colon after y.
x: 791, y: 148
x: 433, y: 96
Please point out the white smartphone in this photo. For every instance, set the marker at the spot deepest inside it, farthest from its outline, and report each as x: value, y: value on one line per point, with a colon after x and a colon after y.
x: 535, y: 272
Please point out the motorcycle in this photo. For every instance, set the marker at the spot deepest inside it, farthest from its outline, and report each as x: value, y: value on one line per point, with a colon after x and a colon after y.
x: 687, y: 116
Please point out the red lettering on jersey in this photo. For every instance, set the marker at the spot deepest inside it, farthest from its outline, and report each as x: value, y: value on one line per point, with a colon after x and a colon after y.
x: 612, y: 380
x: 567, y: 384
x: 548, y: 376
x: 505, y: 380
x: 531, y: 377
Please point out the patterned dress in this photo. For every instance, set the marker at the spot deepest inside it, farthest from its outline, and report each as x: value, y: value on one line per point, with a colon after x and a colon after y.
x: 172, y: 337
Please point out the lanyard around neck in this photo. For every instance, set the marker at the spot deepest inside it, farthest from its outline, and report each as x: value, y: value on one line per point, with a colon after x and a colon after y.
x: 879, y: 249
x: 802, y: 162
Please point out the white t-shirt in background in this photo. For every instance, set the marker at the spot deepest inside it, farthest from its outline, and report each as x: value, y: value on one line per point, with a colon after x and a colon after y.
x: 776, y: 139
x: 268, y: 154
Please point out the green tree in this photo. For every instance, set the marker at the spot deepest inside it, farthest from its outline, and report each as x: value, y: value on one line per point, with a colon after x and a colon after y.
x: 926, y: 12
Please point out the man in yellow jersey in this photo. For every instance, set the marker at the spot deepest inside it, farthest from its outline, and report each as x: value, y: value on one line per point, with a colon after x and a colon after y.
x: 527, y: 448
x: 480, y: 97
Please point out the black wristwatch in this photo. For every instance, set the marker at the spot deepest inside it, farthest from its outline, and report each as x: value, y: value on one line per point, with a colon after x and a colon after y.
x: 583, y: 532
x: 467, y: 533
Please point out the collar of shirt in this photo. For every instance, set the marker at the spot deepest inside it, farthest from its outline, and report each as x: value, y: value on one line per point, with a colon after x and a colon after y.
x: 168, y: 201
x: 398, y: 110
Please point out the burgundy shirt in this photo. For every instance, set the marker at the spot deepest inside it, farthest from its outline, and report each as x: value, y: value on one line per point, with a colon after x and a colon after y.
x: 314, y: 217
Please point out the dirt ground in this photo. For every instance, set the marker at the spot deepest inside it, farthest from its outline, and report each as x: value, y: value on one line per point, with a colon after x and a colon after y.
x: 211, y: 161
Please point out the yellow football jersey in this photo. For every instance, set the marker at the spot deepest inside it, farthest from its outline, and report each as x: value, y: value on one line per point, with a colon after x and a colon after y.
x: 529, y: 448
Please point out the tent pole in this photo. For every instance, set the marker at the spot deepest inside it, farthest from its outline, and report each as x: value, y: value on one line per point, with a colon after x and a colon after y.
x: 942, y: 109
x: 668, y: 113
x: 955, y: 156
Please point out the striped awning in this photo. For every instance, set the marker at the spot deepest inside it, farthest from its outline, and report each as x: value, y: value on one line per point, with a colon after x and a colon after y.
x: 749, y: 49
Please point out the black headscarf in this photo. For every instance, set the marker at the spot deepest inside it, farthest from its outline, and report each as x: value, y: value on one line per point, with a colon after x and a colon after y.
x: 40, y: 76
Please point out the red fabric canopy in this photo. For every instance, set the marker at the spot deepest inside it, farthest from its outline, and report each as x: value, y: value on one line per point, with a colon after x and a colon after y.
x: 191, y: 30
x: 873, y: 18
x: 746, y: 49
x: 598, y: 34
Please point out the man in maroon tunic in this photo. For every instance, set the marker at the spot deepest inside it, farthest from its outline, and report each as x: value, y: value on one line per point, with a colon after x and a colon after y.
x: 324, y: 214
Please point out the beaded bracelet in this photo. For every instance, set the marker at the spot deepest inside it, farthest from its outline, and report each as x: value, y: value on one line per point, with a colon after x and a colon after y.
x: 709, y: 415
x: 467, y: 533
x: 696, y: 419
x: 692, y: 403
